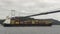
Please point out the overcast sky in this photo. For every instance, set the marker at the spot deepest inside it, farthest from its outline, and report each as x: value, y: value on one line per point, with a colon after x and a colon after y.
x: 29, y: 7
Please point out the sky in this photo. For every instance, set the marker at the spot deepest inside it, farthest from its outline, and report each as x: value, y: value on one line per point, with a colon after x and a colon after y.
x: 30, y: 7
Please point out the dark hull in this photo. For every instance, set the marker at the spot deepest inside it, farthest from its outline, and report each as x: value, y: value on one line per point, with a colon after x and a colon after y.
x: 8, y: 25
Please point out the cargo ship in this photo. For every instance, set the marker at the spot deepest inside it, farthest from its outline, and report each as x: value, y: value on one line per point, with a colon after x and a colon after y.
x: 27, y: 21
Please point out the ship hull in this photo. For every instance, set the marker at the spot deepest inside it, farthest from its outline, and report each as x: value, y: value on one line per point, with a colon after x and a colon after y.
x: 8, y: 25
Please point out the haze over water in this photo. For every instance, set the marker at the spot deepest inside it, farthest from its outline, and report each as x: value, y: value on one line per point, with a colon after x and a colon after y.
x: 29, y: 7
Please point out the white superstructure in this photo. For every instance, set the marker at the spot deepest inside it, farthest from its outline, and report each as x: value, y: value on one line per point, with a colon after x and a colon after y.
x: 7, y: 21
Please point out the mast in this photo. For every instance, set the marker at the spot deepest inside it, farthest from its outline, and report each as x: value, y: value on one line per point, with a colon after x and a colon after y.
x: 12, y: 13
